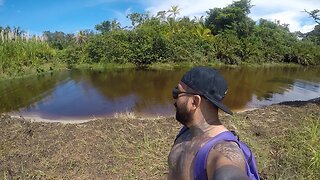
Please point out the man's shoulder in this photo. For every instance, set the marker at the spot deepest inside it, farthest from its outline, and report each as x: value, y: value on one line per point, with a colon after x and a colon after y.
x: 226, y: 157
x: 229, y: 152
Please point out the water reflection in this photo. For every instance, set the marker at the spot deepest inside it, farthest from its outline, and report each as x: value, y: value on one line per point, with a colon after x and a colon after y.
x: 23, y: 93
x: 86, y: 94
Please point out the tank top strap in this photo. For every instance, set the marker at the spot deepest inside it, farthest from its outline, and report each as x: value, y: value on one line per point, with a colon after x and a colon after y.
x: 200, y: 164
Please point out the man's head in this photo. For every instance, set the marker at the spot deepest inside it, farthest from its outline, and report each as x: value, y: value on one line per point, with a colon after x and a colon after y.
x: 197, y: 84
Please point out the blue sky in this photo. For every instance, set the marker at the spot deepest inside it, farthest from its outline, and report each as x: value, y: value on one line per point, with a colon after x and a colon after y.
x: 70, y: 16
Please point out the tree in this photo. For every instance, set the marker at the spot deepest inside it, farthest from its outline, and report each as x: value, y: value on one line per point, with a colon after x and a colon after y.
x: 175, y: 10
x: 313, y: 35
x: 233, y: 17
x: 58, y: 39
x: 161, y: 15
x: 201, y: 31
x: 315, y: 14
x: 81, y: 38
x: 137, y: 18
x: 103, y: 27
x: 115, y: 25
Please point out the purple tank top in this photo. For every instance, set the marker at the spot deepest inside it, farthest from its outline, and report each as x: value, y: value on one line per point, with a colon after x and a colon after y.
x: 200, y: 171
x: 200, y: 165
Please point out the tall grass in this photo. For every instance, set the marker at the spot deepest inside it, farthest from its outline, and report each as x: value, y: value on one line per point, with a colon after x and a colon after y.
x: 298, y: 152
x: 17, y: 57
x: 21, y: 53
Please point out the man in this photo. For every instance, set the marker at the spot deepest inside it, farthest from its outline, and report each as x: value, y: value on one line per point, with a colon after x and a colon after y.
x: 204, y: 148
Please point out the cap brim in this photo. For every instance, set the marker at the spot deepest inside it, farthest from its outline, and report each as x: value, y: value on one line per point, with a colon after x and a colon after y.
x: 221, y: 106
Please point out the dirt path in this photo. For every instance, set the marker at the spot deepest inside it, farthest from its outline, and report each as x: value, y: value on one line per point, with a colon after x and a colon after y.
x: 129, y: 148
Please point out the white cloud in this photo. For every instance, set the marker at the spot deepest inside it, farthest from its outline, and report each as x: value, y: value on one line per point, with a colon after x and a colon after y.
x: 307, y: 28
x: 287, y: 11
x: 188, y: 7
x: 122, y: 17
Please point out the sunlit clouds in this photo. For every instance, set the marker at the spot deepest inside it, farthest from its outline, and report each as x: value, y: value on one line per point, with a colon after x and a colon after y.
x: 286, y: 11
x: 71, y: 16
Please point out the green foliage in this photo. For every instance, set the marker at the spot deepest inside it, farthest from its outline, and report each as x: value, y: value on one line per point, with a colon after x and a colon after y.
x: 146, y: 47
x: 16, y: 56
x: 313, y: 35
x: 226, y: 35
x: 233, y: 17
x: 315, y: 14
x: 305, y: 53
x: 305, y: 162
x: 274, y: 39
x: 110, y: 47
x: 137, y: 19
x: 58, y: 40
x: 104, y: 27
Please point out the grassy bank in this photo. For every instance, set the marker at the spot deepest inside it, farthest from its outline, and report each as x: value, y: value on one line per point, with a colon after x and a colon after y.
x: 54, y: 66
x: 283, y: 137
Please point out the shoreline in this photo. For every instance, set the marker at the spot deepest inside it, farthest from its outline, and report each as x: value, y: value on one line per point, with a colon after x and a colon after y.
x: 155, y: 66
x: 36, y: 118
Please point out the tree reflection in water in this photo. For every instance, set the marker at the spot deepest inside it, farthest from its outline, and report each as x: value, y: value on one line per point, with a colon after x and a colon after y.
x: 89, y: 93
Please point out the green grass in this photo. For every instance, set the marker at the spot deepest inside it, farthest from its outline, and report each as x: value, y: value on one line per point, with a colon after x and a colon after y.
x: 298, y: 151
x: 271, y: 65
x: 100, y: 66
x: 283, y: 149
x: 183, y: 65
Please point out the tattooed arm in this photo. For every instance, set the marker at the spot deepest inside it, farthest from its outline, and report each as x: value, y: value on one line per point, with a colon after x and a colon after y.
x: 226, y: 162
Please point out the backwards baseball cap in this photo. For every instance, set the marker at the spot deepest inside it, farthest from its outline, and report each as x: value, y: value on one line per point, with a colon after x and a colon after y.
x: 209, y: 83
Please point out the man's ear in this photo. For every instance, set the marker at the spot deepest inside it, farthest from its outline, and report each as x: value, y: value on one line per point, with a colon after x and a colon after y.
x: 196, y: 101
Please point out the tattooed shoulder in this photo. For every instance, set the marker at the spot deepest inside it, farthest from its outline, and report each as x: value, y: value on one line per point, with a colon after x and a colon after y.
x: 232, y: 151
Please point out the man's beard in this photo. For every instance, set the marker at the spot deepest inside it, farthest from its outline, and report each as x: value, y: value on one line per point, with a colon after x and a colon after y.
x: 182, y: 115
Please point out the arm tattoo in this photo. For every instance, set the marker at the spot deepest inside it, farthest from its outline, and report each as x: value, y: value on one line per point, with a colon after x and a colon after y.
x: 229, y: 172
x: 231, y: 151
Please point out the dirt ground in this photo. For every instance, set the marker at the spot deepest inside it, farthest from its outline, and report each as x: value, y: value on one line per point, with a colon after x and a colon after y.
x: 137, y: 148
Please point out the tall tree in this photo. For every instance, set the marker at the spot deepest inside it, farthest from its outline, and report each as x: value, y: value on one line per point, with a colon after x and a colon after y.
x: 137, y: 18
x: 58, y: 39
x: 313, y: 35
x: 174, y: 11
x: 115, y: 25
x: 315, y: 14
x: 161, y: 15
x: 81, y: 37
x: 103, y: 27
x: 233, y: 17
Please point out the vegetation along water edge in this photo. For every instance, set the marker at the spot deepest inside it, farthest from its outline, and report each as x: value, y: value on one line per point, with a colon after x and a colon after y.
x: 224, y: 36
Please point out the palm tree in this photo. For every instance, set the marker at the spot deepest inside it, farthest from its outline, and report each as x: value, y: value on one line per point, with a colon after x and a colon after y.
x: 175, y: 10
x: 161, y: 15
x: 202, y: 31
x: 115, y: 25
x: 81, y: 38
x: 172, y: 24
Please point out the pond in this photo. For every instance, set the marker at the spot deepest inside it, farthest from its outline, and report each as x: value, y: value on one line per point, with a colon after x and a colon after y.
x: 83, y: 94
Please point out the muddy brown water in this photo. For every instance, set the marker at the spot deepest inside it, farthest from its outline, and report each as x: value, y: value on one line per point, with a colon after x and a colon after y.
x: 82, y: 94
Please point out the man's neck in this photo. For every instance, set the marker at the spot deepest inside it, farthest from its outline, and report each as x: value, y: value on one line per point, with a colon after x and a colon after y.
x: 206, y: 127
